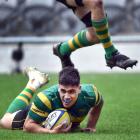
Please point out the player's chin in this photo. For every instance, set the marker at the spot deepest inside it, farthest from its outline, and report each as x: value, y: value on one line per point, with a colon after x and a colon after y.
x: 67, y: 105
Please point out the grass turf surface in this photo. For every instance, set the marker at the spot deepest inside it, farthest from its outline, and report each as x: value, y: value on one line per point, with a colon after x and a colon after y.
x: 120, y: 115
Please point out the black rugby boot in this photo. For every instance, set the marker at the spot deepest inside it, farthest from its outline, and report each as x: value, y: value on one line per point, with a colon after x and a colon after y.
x: 65, y: 59
x: 120, y: 60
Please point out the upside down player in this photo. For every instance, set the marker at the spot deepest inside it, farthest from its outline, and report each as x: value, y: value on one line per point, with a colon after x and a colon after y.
x: 92, y: 14
x: 79, y: 100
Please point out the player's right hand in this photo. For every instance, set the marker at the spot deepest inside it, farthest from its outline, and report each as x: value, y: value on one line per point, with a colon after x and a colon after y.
x: 61, y: 129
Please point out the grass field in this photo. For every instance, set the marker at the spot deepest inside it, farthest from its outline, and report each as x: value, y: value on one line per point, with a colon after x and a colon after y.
x: 120, y: 118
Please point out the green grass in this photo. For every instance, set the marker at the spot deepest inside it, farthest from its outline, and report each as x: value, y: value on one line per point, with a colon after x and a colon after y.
x: 120, y: 118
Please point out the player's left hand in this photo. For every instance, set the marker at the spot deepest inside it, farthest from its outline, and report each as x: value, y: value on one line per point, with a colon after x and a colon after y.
x: 88, y: 130
x: 66, y: 129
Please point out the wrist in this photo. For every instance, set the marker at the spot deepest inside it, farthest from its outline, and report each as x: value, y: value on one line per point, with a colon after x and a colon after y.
x: 43, y: 130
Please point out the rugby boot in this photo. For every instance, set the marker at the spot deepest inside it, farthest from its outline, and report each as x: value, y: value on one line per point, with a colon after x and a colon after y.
x: 36, y: 78
x: 120, y: 60
x: 65, y: 59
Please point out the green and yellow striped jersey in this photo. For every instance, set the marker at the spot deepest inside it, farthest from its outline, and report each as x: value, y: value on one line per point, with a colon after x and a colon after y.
x: 49, y: 100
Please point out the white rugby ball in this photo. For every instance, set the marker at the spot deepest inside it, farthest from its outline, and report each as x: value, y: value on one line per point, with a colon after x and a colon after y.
x: 56, y: 118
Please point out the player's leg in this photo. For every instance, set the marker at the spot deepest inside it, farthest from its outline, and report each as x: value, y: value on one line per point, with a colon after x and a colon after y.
x: 100, y: 24
x: 63, y: 50
x: 22, y: 101
x: 84, y: 38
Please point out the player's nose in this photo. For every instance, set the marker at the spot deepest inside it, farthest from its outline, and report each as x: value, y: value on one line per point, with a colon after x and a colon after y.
x: 67, y: 96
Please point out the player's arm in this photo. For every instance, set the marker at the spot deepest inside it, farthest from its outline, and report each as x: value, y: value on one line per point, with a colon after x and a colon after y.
x: 93, y: 116
x: 94, y: 113
x: 38, y: 112
x: 33, y: 127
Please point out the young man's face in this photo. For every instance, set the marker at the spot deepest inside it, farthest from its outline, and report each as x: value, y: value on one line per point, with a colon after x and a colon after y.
x: 69, y: 95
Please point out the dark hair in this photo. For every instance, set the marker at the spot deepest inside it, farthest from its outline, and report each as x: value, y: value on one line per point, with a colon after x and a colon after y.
x: 69, y: 76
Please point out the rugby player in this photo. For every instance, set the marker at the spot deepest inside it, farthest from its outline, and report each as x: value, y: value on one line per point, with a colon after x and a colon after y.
x: 80, y: 100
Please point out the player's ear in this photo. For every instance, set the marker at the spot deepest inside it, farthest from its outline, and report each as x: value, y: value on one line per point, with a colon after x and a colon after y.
x: 79, y: 88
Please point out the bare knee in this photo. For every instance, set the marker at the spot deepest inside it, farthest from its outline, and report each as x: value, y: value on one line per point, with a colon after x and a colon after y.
x: 6, y: 121
x: 91, y: 35
x: 94, y: 3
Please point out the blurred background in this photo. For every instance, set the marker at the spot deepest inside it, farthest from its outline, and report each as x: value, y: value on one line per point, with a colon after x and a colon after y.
x: 29, y: 28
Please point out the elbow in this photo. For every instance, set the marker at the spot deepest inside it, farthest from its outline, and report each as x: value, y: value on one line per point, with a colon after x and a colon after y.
x: 27, y: 127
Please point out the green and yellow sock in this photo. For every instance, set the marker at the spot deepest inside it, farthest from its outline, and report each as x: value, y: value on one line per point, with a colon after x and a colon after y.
x: 101, y: 28
x: 78, y: 41
x: 21, y: 101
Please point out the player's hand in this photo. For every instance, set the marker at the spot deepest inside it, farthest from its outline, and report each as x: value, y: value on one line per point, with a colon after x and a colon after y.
x: 62, y: 128
x: 88, y: 130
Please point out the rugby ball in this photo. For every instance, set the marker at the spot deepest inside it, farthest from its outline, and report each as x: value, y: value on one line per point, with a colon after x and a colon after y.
x: 56, y: 118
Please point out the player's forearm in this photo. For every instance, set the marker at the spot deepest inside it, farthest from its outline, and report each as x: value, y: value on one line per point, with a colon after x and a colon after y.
x: 94, y: 115
x: 35, y: 128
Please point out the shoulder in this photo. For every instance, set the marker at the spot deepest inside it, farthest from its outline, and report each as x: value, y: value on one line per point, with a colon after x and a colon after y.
x: 88, y: 89
x: 46, y: 95
x: 90, y: 93
x: 51, y: 89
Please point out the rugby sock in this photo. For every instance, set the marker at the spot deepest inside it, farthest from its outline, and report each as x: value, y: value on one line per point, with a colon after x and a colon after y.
x: 21, y: 101
x: 78, y: 41
x: 101, y: 28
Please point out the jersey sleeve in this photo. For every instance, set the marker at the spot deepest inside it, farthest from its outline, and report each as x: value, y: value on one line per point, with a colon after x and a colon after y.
x: 40, y: 108
x: 98, y: 96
